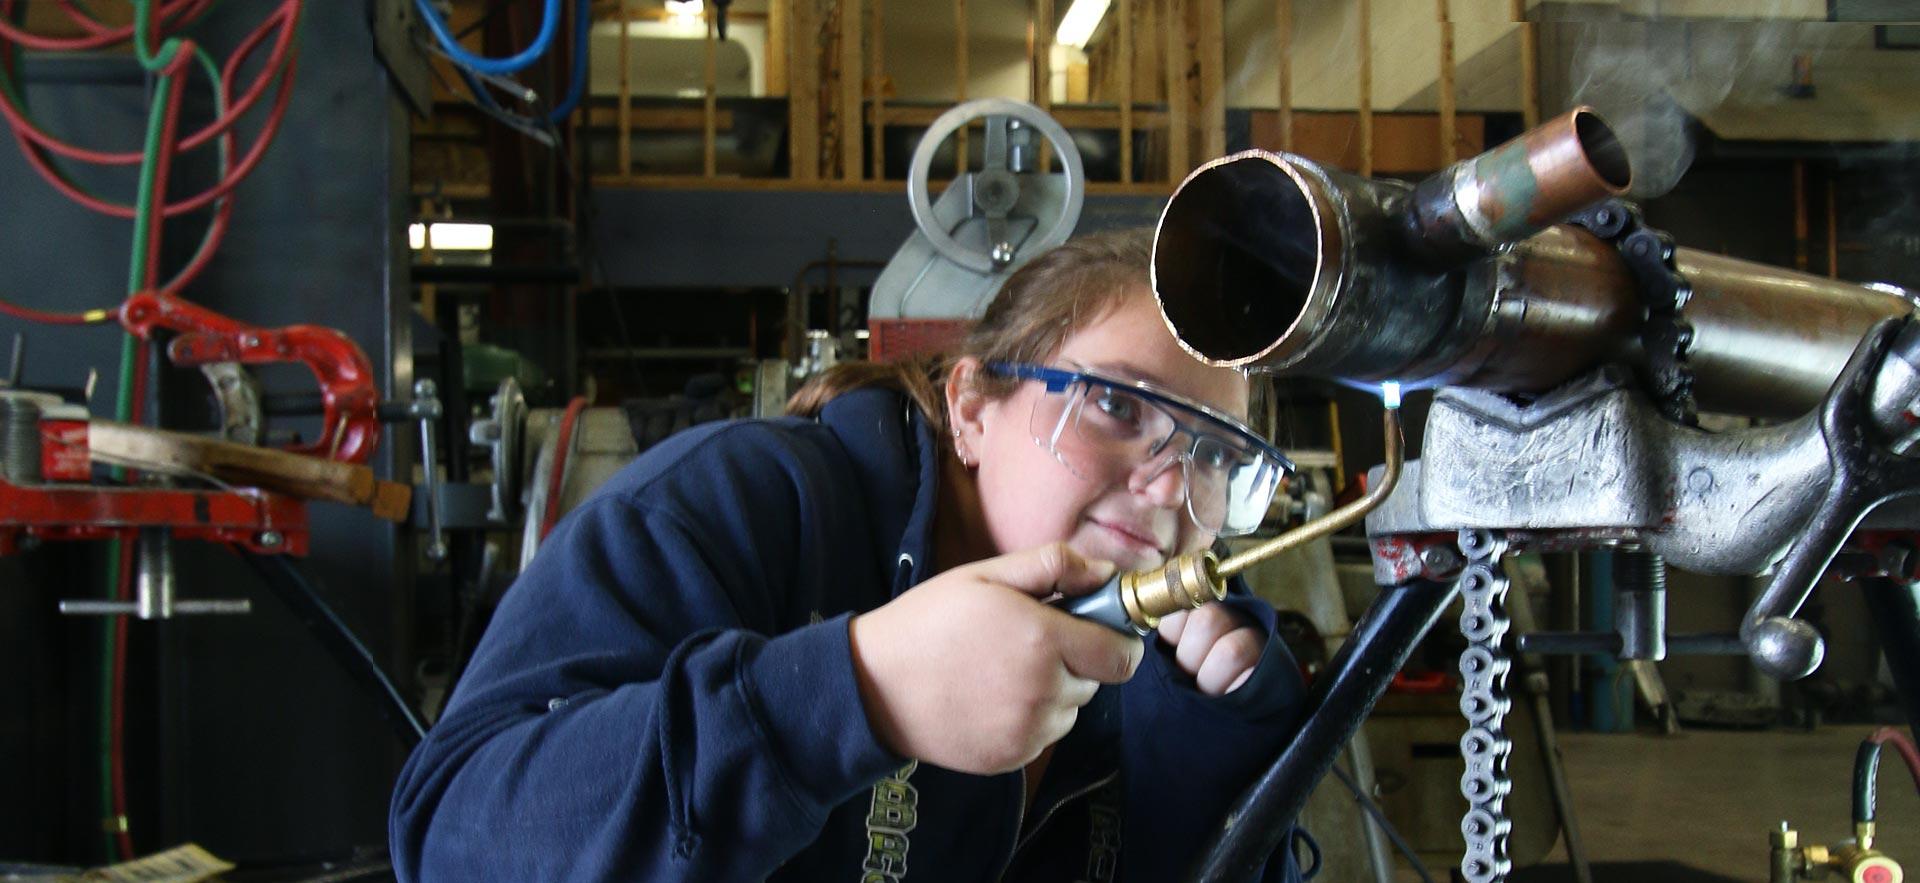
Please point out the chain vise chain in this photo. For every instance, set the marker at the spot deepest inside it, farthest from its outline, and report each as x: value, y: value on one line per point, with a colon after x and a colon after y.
x: 1484, y: 701
x: 1666, y: 335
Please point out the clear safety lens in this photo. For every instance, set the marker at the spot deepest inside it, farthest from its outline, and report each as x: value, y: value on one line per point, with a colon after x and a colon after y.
x: 1104, y: 433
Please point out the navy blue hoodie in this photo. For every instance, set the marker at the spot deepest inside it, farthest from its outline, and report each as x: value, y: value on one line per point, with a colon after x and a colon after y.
x: 667, y: 693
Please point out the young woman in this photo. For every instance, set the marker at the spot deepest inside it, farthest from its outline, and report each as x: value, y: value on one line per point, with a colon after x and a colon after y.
x: 820, y: 648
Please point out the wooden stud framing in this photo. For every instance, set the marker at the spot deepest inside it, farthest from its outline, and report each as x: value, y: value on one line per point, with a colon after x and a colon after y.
x: 1529, y: 64
x: 710, y: 109
x: 625, y: 150
x: 803, y: 99
x: 852, y: 125
x: 1366, y: 87
x: 876, y: 69
x: 1125, y: 10
x: 1209, y: 37
x: 1283, y: 51
x: 1179, y: 141
x: 778, y: 41
x: 1448, y: 151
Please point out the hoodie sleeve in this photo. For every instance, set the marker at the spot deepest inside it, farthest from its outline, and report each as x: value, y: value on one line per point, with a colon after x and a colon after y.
x: 1186, y: 756
x: 627, y: 716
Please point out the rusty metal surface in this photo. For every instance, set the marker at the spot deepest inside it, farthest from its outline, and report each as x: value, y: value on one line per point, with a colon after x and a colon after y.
x: 1768, y: 341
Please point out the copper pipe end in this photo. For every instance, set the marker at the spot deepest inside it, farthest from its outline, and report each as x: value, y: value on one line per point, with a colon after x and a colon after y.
x: 1576, y: 161
x: 1520, y: 188
x: 1242, y: 257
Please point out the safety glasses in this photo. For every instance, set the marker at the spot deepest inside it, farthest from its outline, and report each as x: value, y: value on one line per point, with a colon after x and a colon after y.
x: 1101, y: 427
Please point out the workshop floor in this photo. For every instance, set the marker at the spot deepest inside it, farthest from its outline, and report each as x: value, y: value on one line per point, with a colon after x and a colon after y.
x: 1705, y: 800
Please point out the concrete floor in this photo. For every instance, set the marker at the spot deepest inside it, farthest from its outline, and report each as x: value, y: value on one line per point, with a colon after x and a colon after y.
x: 1707, y: 799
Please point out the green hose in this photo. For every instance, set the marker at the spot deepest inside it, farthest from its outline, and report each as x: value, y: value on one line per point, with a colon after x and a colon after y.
x: 147, y: 210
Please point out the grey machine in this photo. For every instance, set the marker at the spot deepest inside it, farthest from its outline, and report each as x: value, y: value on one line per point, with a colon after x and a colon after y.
x: 987, y: 222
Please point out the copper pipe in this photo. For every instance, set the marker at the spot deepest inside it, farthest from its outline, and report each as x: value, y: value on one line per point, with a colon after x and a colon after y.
x: 1519, y: 188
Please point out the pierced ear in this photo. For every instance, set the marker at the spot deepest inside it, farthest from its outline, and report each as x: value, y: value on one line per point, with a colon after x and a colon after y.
x: 965, y: 404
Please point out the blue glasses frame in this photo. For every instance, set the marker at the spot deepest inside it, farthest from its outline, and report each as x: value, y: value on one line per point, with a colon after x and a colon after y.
x: 1189, y: 417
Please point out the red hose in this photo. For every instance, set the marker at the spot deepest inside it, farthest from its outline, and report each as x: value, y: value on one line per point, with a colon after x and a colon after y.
x: 287, y: 16
x: 255, y: 153
x: 81, y: 19
x: 1902, y: 744
x: 163, y: 158
x: 239, y: 172
x: 563, y: 445
x: 116, y: 743
x: 101, y: 40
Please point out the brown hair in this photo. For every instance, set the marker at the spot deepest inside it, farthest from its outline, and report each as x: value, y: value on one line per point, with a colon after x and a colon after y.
x: 1040, y: 306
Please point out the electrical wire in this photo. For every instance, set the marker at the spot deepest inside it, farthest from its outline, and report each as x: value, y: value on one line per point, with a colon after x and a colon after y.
x: 549, y: 25
x: 1380, y: 818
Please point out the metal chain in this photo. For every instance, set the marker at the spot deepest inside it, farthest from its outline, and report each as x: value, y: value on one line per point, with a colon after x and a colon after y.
x: 1484, y: 702
x: 1666, y: 336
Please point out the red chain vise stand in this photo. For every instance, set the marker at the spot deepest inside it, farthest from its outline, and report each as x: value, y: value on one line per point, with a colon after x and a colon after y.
x: 62, y: 506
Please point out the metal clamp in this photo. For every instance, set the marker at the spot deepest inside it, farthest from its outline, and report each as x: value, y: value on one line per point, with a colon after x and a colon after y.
x: 1865, y: 474
x: 426, y: 409
x: 154, y: 588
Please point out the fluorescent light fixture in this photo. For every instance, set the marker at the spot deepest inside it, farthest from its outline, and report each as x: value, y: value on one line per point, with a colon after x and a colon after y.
x: 683, y: 10
x: 451, y: 237
x: 1082, y: 18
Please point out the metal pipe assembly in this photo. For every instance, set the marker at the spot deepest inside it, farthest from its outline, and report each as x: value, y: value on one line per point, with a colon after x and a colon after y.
x: 1275, y: 263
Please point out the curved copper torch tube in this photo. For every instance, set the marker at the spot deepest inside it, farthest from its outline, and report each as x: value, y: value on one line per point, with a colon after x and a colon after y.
x: 1333, y: 521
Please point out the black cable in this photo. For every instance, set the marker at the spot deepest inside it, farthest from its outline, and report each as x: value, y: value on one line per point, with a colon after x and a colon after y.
x: 1373, y: 809
x: 1866, y: 768
x: 294, y: 590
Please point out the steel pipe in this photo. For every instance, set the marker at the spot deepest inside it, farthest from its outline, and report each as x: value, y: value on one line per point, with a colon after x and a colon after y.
x: 1275, y: 263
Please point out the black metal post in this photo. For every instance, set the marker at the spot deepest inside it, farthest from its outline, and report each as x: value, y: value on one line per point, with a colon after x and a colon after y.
x: 1338, y: 702
x: 1894, y: 609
